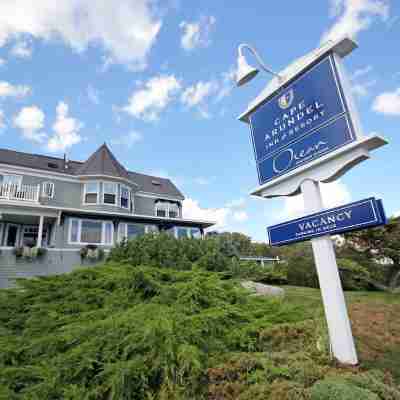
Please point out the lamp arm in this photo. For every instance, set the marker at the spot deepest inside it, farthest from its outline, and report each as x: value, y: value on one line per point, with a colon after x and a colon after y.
x: 258, y: 58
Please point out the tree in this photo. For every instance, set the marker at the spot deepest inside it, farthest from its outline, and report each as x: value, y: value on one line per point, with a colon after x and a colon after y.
x: 379, y: 243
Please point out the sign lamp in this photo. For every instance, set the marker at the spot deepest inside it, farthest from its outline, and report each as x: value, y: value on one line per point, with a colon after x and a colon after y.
x: 246, y: 72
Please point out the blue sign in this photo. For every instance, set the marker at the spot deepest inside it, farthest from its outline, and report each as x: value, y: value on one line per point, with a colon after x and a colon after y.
x: 358, y: 215
x: 286, y: 129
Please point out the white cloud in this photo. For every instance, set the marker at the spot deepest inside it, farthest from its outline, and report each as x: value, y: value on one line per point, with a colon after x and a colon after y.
x: 354, y: 16
x: 66, y: 130
x: 227, y: 83
x: 224, y: 217
x: 192, y: 210
x: 196, y: 94
x: 93, y: 94
x: 9, y: 90
x: 31, y: 122
x: 361, y: 72
x: 128, y: 140
x: 333, y: 194
x: 359, y: 86
x: 240, y: 216
x: 362, y: 89
x: 125, y: 29
x: 388, y: 103
x: 2, y: 62
x: 147, y: 103
x: 22, y: 49
x: 197, y: 34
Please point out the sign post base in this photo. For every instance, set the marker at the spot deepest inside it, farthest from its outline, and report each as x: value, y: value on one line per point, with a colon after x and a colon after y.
x: 337, y: 318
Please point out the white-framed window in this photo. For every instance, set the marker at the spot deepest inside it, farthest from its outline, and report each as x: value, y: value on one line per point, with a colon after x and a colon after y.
x: 88, y: 231
x: 91, y: 192
x: 186, y: 232
x: 173, y: 210
x: 125, y: 197
x: 161, y: 209
x: 110, y: 190
x: 132, y: 230
x: 8, y: 179
x: 48, y: 189
x: 166, y: 209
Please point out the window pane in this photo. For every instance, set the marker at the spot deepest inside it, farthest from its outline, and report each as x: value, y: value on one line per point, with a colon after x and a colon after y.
x: 91, y: 198
x: 135, y: 230
x: 161, y: 213
x: 195, y: 233
x: 124, y: 197
x: 91, y: 231
x: 182, y: 233
x: 109, y: 198
x: 108, y: 232
x: 74, y: 231
x: 12, y: 179
x: 91, y: 187
x: 110, y: 187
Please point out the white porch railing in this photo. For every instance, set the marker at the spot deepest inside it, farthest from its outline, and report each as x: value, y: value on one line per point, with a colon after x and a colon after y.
x: 12, y: 191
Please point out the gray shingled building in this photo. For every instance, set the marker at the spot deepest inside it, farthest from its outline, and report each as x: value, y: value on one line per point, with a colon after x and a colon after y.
x: 72, y: 209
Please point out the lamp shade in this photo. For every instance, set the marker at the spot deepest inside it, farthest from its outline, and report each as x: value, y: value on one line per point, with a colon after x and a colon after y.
x: 245, y: 72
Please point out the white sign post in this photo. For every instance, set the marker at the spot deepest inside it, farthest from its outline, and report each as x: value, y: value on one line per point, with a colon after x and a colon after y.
x: 306, y: 130
x: 339, y: 327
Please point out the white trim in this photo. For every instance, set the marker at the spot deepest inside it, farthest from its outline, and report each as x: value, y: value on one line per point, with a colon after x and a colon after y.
x: 79, y: 233
x: 40, y: 174
x: 44, y: 192
x: 116, y: 185
x: 158, y: 196
x: 15, y: 169
x: 108, y: 213
x: 85, y: 192
x: 167, y: 205
x: 106, y: 177
x: 120, y: 236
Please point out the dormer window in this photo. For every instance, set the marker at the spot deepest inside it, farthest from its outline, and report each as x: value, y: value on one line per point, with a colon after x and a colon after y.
x: 91, y: 194
x: 167, y: 209
x: 110, y: 190
x: 173, y: 210
x: 125, y: 197
x: 161, y: 209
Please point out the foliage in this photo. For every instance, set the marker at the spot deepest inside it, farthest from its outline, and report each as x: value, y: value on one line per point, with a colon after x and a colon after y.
x: 353, y: 275
x: 135, y: 330
x: 119, y: 332
x: 333, y: 389
x: 301, y: 272
x: 376, y: 243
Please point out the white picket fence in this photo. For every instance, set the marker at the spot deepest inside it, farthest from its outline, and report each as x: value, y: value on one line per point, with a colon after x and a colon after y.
x: 12, y: 191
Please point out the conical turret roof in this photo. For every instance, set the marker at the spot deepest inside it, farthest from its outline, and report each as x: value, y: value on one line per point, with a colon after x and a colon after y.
x: 103, y: 162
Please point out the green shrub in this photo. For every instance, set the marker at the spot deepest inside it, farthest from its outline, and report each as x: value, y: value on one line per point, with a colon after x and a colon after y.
x: 301, y: 272
x: 353, y: 275
x: 335, y: 389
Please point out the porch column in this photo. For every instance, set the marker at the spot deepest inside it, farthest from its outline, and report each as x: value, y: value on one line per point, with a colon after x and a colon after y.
x: 40, y: 232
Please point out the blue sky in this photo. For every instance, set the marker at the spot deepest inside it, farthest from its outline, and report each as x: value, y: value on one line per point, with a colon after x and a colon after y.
x: 154, y: 80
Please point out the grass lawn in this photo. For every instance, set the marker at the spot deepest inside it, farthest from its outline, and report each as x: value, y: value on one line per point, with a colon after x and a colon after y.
x: 375, y: 319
